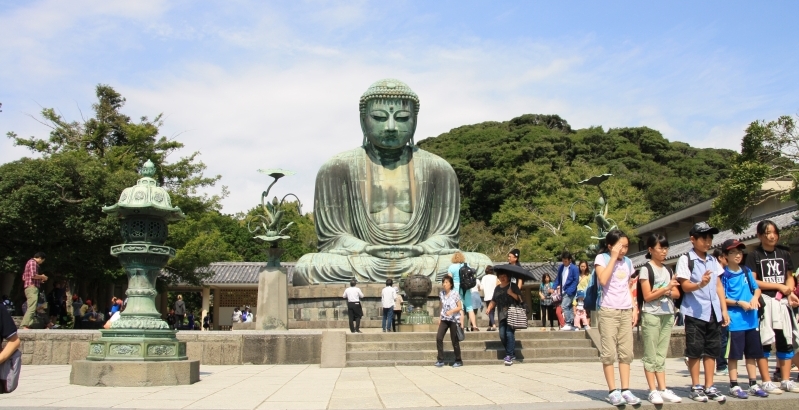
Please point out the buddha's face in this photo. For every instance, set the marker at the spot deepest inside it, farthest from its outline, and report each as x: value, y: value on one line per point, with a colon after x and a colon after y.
x: 389, y: 123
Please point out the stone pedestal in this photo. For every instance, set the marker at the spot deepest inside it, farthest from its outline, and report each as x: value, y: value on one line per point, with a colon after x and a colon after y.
x: 273, y: 302
x: 137, y: 345
x: 134, y: 374
x: 417, y: 328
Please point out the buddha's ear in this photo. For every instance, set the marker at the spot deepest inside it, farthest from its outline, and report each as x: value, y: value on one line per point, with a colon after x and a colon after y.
x: 363, y: 128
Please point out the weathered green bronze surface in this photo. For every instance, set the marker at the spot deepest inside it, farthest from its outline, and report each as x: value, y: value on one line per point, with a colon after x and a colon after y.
x: 386, y: 208
x: 140, y: 334
x: 271, y: 220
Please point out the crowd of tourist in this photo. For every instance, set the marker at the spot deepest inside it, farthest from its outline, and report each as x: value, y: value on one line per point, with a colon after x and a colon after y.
x: 734, y: 308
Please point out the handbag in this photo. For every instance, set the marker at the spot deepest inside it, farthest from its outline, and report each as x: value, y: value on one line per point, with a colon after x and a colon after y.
x: 9, y: 372
x: 557, y: 296
x: 459, y: 332
x: 517, y: 316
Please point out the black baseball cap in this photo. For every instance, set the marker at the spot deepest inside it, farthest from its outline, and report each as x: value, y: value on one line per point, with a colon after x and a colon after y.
x: 731, y: 244
x: 702, y: 228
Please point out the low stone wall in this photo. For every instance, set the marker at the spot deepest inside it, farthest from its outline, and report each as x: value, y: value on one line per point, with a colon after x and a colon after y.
x: 322, y: 306
x: 210, y: 348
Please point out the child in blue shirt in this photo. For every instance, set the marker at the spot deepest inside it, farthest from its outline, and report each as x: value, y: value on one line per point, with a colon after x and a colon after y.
x: 741, y: 295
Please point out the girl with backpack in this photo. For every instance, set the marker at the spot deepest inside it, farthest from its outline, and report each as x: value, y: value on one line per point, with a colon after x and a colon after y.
x: 617, y: 315
x: 458, y: 262
x: 657, y: 290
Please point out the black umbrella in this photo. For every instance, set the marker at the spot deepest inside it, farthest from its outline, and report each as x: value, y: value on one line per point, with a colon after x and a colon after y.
x: 515, y: 271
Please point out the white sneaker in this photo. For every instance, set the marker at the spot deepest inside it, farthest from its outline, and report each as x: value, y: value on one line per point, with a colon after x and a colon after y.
x: 771, y: 388
x: 789, y: 386
x: 567, y: 327
x: 669, y: 396
x: 655, y: 398
x: 587, y: 327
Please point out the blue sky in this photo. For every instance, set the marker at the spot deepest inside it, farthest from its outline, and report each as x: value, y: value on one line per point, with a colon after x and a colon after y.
x: 276, y: 84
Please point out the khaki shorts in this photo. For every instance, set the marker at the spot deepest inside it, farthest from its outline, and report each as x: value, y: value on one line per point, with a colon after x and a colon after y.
x: 615, y: 335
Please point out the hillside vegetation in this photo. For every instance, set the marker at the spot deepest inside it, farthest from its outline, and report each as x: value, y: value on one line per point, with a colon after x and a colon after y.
x: 518, y: 181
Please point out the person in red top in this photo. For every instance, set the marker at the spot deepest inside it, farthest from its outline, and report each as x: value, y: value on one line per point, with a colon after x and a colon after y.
x: 32, y: 280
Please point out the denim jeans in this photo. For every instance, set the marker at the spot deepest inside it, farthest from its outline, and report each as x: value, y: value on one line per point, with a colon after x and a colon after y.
x: 507, y: 335
x: 388, y: 317
x: 568, y: 309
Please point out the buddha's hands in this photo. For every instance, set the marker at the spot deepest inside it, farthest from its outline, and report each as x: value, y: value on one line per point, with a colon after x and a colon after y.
x: 394, y: 251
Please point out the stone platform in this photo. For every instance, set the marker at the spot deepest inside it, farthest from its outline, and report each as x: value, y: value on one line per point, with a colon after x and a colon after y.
x: 134, y: 374
x: 540, y: 386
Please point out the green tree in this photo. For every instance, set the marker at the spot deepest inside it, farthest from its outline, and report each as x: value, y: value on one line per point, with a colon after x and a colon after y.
x: 769, y: 152
x: 53, y: 203
x: 518, y: 179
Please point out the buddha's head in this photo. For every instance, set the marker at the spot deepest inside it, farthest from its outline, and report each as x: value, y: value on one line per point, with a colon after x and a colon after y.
x: 388, y: 114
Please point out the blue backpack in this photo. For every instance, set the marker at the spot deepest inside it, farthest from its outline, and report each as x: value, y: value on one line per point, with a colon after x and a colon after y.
x: 593, y: 293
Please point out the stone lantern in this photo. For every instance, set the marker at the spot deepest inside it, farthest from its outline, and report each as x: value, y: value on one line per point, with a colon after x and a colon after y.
x: 140, y: 335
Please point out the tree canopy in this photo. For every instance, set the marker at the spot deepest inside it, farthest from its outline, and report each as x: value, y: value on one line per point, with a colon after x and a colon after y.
x: 518, y: 180
x: 769, y: 151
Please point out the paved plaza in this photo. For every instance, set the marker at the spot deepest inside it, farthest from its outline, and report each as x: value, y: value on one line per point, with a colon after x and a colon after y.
x: 521, y: 386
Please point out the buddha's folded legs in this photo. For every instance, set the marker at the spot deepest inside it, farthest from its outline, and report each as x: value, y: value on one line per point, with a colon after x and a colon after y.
x: 330, y: 268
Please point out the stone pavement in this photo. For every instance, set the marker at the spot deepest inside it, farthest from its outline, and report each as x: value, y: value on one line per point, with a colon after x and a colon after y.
x: 545, y: 386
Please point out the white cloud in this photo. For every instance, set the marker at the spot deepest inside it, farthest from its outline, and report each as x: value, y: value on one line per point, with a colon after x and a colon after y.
x: 254, y: 86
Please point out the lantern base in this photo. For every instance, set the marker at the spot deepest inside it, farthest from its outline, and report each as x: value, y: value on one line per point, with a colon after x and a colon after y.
x: 135, y: 345
x: 134, y: 374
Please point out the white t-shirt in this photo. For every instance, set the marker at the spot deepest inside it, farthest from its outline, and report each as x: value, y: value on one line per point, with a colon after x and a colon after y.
x: 237, y: 317
x: 564, y: 276
x: 353, y: 294
x: 489, y: 282
x: 387, y: 297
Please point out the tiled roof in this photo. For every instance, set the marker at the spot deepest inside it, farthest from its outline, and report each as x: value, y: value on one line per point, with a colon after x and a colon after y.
x: 782, y: 218
x: 238, y: 272
x: 246, y: 273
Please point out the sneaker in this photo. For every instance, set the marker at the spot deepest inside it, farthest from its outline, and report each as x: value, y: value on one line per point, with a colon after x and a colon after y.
x: 713, y: 393
x: 513, y: 358
x: 567, y: 327
x: 587, y: 327
x: 669, y: 396
x: 789, y: 386
x: 616, y: 398
x: 698, y: 394
x: 738, y: 392
x: 776, y: 377
x: 655, y: 398
x: 757, y: 391
x: 439, y: 364
x: 508, y: 361
x: 457, y: 364
x: 630, y: 398
x: 771, y: 388
x: 722, y: 372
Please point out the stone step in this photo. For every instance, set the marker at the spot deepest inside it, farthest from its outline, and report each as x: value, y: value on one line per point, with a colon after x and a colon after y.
x: 485, y: 354
x: 528, y: 334
x: 451, y: 358
x: 467, y: 344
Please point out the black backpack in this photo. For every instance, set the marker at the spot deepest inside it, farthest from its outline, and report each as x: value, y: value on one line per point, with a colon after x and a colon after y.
x: 468, y: 277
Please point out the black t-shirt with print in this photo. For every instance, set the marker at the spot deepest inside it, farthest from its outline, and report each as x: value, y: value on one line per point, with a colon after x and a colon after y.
x: 770, y: 266
x: 7, y: 326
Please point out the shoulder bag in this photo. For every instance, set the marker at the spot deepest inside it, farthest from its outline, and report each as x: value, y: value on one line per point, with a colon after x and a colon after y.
x: 9, y: 372
x: 517, y: 316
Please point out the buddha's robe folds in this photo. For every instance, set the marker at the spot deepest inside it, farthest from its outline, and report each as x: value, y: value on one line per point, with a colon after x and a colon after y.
x: 345, y: 213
